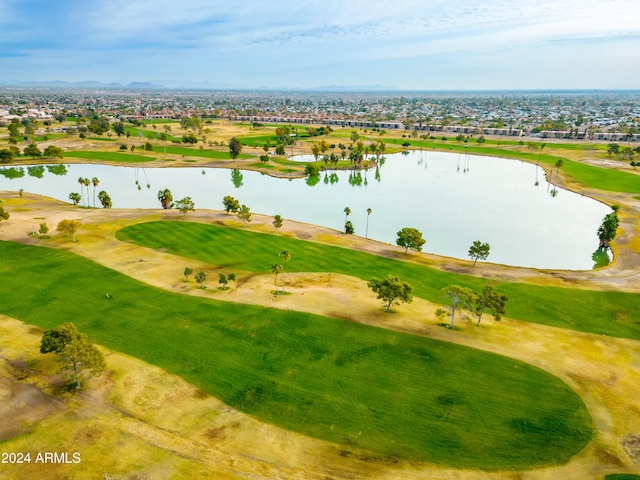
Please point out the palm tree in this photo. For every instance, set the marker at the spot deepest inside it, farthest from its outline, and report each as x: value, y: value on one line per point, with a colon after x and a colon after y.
x: 81, y: 182
x: 165, y: 198
x: 105, y: 199
x: 276, y: 268
x: 366, y: 234
x: 95, y: 182
x: 559, y: 163
x: 347, y: 212
x: 285, y: 258
x: 75, y: 198
x: 86, y: 182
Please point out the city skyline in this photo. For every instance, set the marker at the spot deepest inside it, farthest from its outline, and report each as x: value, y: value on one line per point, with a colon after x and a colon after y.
x: 406, y: 45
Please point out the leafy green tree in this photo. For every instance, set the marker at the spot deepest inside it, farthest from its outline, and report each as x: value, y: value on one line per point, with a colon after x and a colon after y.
x: 613, y: 149
x: 69, y: 227
x: 187, y: 271
x: 230, y: 204
x: 459, y: 297
x: 200, y: 278
x: 607, y: 230
x: 185, y: 205
x: 75, y: 197
x: 231, y: 277
x: 410, y: 238
x: 53, y: 152
x: 118, y: 127
x: 312, y: 170
x: 276, y: 268
x: 264, y: 158
x: 244, y: 214
x: 222, y: 280
x: 189, y: 138
x: 391, y: 289
x: 488, y: 300
x: 235, y: 147
x: 280, y: 149
x: 148, y: 147
x: 4, y: 215
x: 43, y: 230
x: 277, y: 221
x: 479, y: 251
x: 74, y: 351
x: 6, y: 155
x: 166, y: 198
x: 32, y: 151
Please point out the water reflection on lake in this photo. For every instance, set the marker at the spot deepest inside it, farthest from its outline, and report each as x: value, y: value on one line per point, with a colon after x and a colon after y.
x: 453, y: 199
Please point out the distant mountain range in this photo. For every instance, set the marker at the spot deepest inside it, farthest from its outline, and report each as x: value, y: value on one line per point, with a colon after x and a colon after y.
x: 85, y: 84
x: 188, y: 85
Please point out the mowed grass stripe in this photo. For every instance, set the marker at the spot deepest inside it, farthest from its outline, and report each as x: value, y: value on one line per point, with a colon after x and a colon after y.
x: 600, y: 312
x: 196, y: 152
x: 109, y: 156
x: 384, y: 391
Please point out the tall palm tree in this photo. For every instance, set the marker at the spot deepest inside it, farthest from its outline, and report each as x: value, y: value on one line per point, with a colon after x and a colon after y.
x: 276, y: 268
x: 366, y: 234
x: 285, y: 258
x: 81, y: 182
x: 86, y: 182
x: 95, y: 183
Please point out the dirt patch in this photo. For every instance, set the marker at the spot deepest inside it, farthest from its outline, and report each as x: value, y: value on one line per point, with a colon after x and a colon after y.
x: 22, y: 406
x: 631, y: 445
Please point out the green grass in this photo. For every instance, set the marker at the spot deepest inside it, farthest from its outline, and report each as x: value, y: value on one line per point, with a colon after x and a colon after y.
x: 609, y: 313
x: 259, y: 140
x: 109, y: 156
x: 384, y: 391
x: 147, y: 134
x: 196, y: 152
x: 622, y: 476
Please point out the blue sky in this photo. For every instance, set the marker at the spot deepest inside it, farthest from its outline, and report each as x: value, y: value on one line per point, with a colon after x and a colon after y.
x: 417, y: 45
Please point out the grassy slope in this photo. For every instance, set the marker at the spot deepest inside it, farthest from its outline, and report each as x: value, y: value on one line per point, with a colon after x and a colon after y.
x: 384, y: 391
x: 610, y: 313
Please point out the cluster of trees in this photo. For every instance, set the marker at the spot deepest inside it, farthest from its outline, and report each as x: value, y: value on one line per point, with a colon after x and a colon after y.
x: 233, y: 205
x: 625, y: 153
x: 489, y: 300
x: 184, y: 205
x: 32, y: 150
x: 392, y: 290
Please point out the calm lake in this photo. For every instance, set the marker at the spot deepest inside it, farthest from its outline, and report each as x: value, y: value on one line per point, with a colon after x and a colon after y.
x: 453, y: 199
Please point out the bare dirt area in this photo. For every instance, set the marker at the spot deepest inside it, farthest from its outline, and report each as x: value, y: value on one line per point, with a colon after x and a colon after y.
x: 137, y: 421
